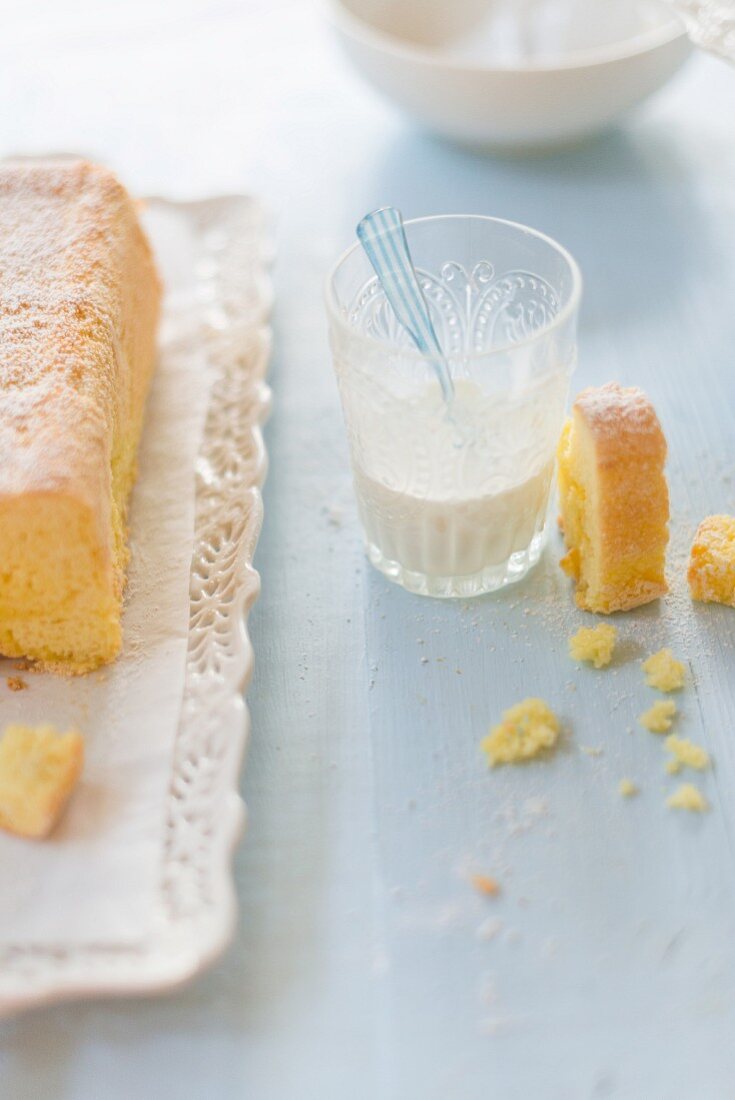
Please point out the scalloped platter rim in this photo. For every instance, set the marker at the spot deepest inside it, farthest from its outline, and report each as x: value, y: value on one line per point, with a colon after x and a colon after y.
x: 196, y: 908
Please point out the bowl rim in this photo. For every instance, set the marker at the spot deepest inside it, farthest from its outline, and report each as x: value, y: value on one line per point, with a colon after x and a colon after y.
x: 646, y: 41
x: 336, y: 317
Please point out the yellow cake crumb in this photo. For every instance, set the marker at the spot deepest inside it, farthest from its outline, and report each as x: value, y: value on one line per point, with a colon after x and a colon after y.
x: 39, y: 768
x: 593, y: 643
x: 627, y: 788
x: 15, y: 683
x: 485, y: 884
x: 711, y: 573
x: 685, y: 754
x: 570, y: 562
x: 659, y: 717
x: 663, y: 671
x: 528, y: 729
x: 687, y: 797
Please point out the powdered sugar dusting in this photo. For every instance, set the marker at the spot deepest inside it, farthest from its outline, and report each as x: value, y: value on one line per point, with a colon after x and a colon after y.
x: 614, y: 412
x: 77, y: 275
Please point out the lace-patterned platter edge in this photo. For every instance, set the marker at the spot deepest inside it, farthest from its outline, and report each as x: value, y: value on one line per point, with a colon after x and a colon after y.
x: 205, y: 816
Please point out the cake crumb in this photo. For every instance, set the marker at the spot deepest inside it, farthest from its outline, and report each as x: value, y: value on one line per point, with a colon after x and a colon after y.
x: 685, y: 754
x: 594, y: 644
x: 687, y: 797
x: 15, y: 683
x: 23, y: 666
x: 39, y: 768
x: 658, y: 718
x: 627, y: 788
x: 711, y: 574
x: 592, y: 750
x: 485, y: 884
x: 528, y: 729
x: 663, y: 671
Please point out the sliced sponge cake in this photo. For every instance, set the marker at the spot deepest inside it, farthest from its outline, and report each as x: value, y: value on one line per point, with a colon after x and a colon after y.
x: 614, y: 499
x: 79, y: 303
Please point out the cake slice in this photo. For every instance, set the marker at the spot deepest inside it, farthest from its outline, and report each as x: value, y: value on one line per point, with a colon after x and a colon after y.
x: 614, y: 499
x: 79, y: 303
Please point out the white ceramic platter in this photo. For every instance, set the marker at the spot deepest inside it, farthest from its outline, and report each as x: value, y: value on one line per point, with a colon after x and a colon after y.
x: 214, y: 257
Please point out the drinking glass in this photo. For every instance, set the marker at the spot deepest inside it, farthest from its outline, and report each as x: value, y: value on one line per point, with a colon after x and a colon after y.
x: 453, y: 497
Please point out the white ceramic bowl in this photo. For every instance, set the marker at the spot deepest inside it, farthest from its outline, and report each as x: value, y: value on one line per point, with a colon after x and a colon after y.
x: 514, y: 74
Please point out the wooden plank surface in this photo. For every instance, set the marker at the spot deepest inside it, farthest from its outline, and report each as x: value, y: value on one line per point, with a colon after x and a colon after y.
x: 364, y: 964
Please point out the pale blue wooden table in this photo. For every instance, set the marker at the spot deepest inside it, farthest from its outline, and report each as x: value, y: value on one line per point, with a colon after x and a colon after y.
x: 364, y: 966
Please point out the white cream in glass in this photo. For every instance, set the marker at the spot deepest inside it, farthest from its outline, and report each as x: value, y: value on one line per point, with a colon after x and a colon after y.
x: 454, y: 500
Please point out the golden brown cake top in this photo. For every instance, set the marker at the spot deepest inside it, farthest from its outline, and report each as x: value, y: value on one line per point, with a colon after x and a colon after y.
x: 622, y: 415
x: 69, y: 241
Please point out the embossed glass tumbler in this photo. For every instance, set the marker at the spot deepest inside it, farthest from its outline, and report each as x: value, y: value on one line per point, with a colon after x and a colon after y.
x: 454, y: 499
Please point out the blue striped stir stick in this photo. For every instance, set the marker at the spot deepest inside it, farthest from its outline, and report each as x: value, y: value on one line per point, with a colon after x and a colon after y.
x: 383, y: 237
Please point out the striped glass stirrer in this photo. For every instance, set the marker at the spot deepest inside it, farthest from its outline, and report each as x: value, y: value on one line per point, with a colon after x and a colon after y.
x: 383, y: 237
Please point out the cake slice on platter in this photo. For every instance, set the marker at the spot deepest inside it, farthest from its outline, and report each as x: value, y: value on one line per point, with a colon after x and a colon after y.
x: 614, y: 499
x: 79, y: 305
